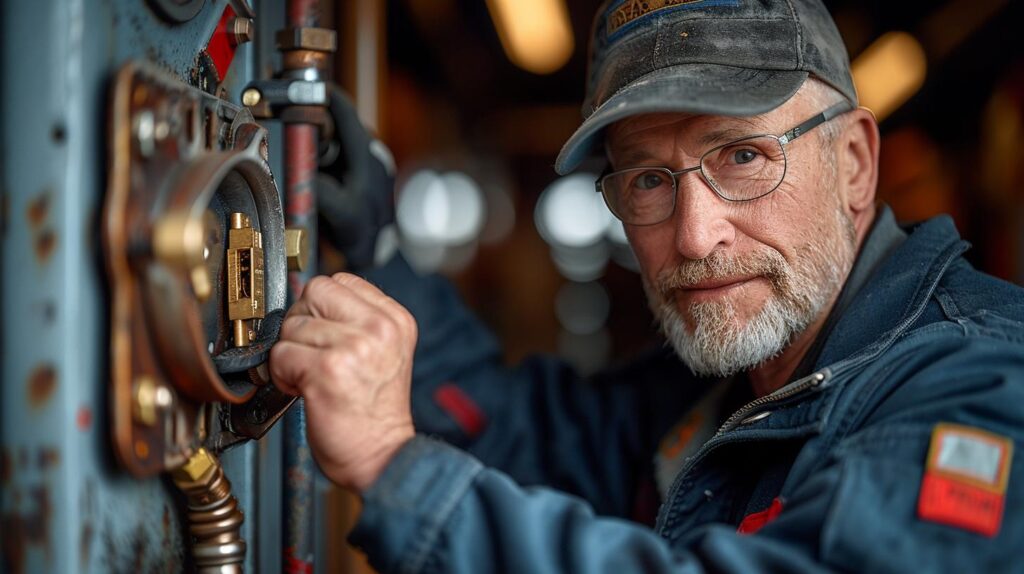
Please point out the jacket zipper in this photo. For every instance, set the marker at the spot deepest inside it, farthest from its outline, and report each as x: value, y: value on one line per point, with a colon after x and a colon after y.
x: 813, y: 381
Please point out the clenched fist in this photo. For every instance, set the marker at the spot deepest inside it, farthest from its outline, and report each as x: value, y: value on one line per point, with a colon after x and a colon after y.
x: 347, y: 349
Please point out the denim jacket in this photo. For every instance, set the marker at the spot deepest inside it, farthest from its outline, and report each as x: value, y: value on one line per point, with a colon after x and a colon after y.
x: 538, y: 470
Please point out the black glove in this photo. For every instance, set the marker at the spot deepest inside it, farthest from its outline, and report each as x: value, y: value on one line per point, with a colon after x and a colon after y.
x: 355, y: 188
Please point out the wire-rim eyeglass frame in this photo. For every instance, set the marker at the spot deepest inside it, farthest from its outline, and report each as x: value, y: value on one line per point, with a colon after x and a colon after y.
x: 784, y: 139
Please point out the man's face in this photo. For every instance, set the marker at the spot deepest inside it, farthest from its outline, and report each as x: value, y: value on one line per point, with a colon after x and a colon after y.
x: 732, y: 283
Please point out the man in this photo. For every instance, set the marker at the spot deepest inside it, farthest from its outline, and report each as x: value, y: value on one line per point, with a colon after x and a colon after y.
x: 843, y: 394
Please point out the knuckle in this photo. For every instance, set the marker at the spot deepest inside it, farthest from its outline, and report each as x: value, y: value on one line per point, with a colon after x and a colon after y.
x: 291, y: 325
x: 383, y: 328
x: 333, y: 364
x: 318, y: 288
x: 362, y: 348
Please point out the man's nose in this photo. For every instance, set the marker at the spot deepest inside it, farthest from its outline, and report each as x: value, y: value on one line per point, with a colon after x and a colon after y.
x: 700, y: 218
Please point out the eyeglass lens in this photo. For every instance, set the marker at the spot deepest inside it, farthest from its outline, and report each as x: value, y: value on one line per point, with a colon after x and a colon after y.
x: 738, y: 171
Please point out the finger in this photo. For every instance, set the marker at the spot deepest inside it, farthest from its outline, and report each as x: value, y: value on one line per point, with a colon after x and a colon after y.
x: 290, y: 365
x: 369, y: 292
x: 316, y: 332
x: 324, y: 298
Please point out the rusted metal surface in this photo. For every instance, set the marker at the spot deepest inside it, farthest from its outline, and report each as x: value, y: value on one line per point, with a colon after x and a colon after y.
x: 42, y: 383
x: 37, y: 214
x: 65, y: 507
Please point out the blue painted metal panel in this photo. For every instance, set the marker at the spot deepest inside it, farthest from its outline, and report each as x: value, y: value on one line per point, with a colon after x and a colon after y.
x: 64, y: 505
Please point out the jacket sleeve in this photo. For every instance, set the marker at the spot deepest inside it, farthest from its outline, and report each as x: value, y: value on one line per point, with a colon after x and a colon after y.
x: 436, y: 509
x: 539, y: 422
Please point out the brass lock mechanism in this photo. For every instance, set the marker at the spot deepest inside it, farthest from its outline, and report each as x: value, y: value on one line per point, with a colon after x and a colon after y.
x: 245, y: 278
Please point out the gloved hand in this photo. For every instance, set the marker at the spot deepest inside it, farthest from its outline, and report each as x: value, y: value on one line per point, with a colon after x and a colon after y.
x: 355, y: 188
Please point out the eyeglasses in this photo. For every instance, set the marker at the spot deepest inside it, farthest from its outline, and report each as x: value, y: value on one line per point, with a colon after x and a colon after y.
x: 742, y: 170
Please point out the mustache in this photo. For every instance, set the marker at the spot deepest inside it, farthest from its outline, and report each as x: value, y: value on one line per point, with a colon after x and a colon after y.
x: 765, y: 263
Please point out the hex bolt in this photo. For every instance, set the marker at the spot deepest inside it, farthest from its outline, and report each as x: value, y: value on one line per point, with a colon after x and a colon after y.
x: 296, y: 248
x: 240, y: 30
x: 150, y: 399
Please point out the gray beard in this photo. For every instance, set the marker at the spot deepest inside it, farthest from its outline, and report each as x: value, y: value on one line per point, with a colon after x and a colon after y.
x: 720, y: 344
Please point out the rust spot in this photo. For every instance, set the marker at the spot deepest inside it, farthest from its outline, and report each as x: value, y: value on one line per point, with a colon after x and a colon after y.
x: 25, y: 529
x: 46, y: 243
x: 84, y: 418
x: 39, y: 209
x: 41, y: 385
x: 48, y: 457
x: 85, y: 544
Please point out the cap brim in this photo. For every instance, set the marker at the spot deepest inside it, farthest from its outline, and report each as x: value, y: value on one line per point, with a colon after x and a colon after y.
x: 692, y: 88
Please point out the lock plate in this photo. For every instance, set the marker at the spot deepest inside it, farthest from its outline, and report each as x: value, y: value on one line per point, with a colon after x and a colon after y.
x: 194, y: 243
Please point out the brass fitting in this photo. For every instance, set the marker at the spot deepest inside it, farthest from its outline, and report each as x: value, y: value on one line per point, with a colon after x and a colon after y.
x: 296, y: 247
x: 179, y: 240
x: 197, y: 470
x: 215, y: 521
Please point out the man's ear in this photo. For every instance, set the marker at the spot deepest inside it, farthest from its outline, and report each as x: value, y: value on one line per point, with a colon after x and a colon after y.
x: 857, y: 157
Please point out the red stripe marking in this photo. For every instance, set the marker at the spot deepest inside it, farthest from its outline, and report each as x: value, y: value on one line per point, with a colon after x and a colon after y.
x: 219, y: 47
x: 461, y: 408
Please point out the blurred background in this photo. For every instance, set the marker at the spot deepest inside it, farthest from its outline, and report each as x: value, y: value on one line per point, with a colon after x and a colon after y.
x: 475, y: 98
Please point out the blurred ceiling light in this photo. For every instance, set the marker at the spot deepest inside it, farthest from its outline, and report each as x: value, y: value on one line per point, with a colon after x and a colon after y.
x: 535, y: 34
x: 444, y: 209
x: 889, y: 72
x: 570, y: 213
x: 440, y: 217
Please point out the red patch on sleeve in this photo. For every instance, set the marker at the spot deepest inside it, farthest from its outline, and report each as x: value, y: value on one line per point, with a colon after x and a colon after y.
x: 461, y: 408
x: 965, y: 479
x: 757, y: 520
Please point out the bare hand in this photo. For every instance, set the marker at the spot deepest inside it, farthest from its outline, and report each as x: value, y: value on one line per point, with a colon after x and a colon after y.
x: 347, y: 349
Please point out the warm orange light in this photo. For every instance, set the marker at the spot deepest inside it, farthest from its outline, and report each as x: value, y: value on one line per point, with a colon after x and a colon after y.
x: 535, y: 34
x: 889, y: 72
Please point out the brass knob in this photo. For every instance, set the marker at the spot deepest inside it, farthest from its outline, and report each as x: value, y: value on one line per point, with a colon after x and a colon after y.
x: 296, y: 246
x: 179, y: 240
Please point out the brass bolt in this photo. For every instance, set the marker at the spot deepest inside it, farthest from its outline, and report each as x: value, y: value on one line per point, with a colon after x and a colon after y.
x: 251, y: 97
x: 296, y: 247
x: 196, y: 468
x: 150, y: 398
x: 240, y: 30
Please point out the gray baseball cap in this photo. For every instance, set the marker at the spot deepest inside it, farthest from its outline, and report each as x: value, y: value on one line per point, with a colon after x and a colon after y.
x: 721, y: 57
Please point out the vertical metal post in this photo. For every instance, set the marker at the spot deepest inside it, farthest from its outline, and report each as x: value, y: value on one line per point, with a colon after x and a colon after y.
x: 301, y: 154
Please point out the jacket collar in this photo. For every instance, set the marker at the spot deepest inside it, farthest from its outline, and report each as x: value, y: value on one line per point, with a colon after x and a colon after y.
x: 895, y: 294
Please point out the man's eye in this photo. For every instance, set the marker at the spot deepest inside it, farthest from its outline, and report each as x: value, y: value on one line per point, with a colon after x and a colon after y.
x: 649, y: 180
x: 746, y: 155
